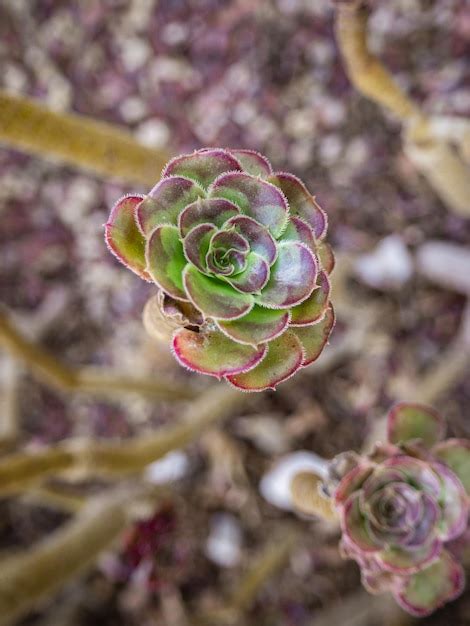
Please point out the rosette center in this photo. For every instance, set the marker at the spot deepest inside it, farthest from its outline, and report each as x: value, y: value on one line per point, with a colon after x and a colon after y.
x: 227, y: 254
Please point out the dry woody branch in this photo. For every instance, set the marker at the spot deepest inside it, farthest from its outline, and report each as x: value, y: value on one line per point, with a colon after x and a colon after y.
x: 99, y: 147
x: 429, y: 143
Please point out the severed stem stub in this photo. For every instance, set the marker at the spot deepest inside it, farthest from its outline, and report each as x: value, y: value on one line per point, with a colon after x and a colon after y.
x: 308, y: 496
x: 163, y: 315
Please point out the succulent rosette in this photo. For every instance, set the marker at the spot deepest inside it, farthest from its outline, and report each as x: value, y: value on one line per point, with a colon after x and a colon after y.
x: 402, y: 504
x: 238, y: 255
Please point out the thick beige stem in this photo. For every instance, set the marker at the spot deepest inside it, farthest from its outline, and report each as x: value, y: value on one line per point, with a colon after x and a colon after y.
x: 86, y: 380
x: 156, y: 325
x: 79, y: 141
x: 365, y: 71
x: 271, y: 560
x: 268, y: 563
x: 358, y: 610
x: 425, y: 142
x: 20, y: 470
x: 87, y: 458
x: 9, y: 375
x: 308, y: 499
x: 55, y: 498
x: 453, y: 129
x: 34, y: 575
x: 435, y: 382
x: 445, y: 170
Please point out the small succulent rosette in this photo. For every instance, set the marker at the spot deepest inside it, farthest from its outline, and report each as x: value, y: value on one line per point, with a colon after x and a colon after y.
x: 401, y: 506
x: 239, y: 256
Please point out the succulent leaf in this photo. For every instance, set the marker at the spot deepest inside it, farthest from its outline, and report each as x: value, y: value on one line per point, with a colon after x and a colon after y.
x: 301, y: 202
x: 123, y: 237
x: 400, y: 504
x: 293, y: 277
x: 254, y: 277
x: 215, y: 298
x: 456, y: 454
x: 454, y: 503
x: 414, y: 471
x: 214, y: 211
x: 401, y: 561
x: 313, y: 308
x: 355, y: 527
x: 203, y: 166
x: 234, y: 263
x: 253, y: 162
x: 196, y: 245
x: 351, y: 482
x: 406, y: 422
x: 427, y: 590
x: 256, y: 198
x: 313, y: 338
x: 298, y: 230
x: 258, y: 326
x: 215, y: 354
x: 284, y: 357
x: 166, y: 260
x: 259, y: 238
x: 326, y: 257
x: 165, y: 202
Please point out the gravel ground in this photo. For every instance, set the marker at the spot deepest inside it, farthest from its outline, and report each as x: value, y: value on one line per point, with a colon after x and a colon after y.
x: 183, y: 74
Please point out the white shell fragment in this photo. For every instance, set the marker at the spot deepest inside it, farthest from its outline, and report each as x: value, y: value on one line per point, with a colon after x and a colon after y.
x: 388, y: 267
x: 275, y: 485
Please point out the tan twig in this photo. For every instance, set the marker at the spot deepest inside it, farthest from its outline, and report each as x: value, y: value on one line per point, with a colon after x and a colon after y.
x: 55, y: 498
x: 451, y: 365
x: 366, y: 72
x: 86, y: 380
x: 36, y: 574
x: 307, y: 498
x: 79, y: 141
x: 425, y: 142
x: 358, y: 609
x: 268, y: 563
x: 453, y: 129
x: 9, y: 375
x: 272, y: 559
x: 443, y: 167
x: 435, y: 382
x: 87, y: 458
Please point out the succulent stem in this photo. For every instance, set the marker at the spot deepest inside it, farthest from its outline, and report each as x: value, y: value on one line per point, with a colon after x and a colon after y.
x: 426, y: 143
x: 156, y: 325
x: 38, y: 572
x: 21, y: 470
x: 56, y: 498
x: 308, y: 499
x: 365, y: 71
x: 435, y: 382
x: 85, y: 380
x: 269, y: 562
x: 9, y: 373
x: 358, y: 609
x: 77, y: 140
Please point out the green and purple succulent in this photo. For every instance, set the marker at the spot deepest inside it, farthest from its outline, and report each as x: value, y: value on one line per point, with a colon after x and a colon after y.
x: 238, y: 254
x: 401, y: 506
